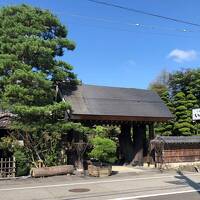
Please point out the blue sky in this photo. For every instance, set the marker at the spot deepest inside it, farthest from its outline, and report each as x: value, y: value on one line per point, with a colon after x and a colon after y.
x: 120, y: 48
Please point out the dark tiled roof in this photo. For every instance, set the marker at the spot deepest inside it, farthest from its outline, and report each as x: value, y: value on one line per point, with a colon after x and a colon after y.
x: 115, y: 101
x: 177, y: 139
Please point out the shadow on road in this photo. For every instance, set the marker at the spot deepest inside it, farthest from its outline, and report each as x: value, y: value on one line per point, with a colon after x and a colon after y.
x: 188, y: 181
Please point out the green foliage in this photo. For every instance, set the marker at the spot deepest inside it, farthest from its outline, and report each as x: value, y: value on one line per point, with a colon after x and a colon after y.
x: 31, y: 41
x: 161, y: 89
x: 22, y: 162
x: 106, y: 131
x: 183, y: 111
x: 11, y: 146
x: 103, y: 150
x: 186, y: 81
x: 181, y: 94
x: 6, y: 143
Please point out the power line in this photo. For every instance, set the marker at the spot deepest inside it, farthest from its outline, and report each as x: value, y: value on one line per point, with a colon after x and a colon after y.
x: 140, y: 27
x: 131, y: 24
x: 137, y: 31
x: 144, y: 12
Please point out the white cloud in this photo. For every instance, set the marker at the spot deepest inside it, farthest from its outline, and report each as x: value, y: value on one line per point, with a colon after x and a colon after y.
x: 180, y: 56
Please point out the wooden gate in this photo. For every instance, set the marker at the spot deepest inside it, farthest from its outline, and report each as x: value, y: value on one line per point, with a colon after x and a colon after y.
x: 7, y: 167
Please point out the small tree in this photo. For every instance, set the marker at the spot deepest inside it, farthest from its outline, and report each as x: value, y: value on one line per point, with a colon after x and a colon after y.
x: 183, y: 124
x: 103, y: 150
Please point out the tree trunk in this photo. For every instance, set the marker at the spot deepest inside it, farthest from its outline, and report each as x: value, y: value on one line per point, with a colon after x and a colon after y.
x: 126, y: 143
x: 52, y: 171
x: 139, y: 132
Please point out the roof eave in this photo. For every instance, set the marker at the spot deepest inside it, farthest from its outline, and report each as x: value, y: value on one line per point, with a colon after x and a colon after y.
x: 119, y: 118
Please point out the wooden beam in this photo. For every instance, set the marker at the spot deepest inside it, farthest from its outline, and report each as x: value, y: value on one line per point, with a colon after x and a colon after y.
x: 151, y: 131
x: 119, y: 118
x: 125, y: 143
x: 139, y: 135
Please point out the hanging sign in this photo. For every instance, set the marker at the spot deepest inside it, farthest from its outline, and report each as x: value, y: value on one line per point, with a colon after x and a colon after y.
x: 196, y: 114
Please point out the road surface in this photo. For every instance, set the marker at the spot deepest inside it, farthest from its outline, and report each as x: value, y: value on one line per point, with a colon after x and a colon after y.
x: 152, y: 186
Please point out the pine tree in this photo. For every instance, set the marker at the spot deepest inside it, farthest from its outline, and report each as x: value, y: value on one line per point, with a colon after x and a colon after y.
x: 191, y: 103
x: 188, y: 82
x: 183, y: 124
x: 31, y: 41
x: 168, y: 126
x: 181, y: 93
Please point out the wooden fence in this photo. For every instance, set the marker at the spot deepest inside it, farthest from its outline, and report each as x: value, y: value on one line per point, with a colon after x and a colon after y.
x: 7, y: 167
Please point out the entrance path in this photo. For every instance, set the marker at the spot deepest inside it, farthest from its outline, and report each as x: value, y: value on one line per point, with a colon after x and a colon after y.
x: 151, y: 186
x: 136, y: 170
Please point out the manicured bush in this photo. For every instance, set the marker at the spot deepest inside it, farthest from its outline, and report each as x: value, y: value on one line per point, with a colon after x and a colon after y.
x: 103, y: 150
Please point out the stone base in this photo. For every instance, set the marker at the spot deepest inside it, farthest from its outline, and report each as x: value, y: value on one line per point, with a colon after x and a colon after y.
x: 176, y: 166
x: 182, y: 164
x: 99, y: 171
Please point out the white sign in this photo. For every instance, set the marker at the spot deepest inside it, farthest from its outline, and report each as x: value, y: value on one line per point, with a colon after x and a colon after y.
x: 196, y: 114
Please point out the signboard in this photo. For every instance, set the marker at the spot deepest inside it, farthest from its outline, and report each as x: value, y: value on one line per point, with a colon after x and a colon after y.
x: 196, y: 114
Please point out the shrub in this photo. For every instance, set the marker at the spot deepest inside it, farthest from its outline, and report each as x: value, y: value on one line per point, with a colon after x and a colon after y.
x: 103, y: 150
x: 22, y: 163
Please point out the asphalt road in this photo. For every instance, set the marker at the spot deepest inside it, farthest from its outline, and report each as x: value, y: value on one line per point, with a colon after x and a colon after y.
x: 152, y: 186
